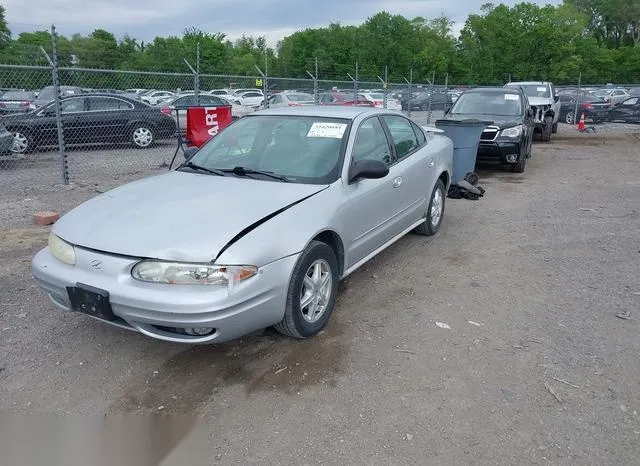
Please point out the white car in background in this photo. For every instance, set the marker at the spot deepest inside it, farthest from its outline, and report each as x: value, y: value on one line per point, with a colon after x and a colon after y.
x: 378, y: 100
x: 154, y: 97
x: 249, y: 99
x: 290, y: 99
x: 237, y: 92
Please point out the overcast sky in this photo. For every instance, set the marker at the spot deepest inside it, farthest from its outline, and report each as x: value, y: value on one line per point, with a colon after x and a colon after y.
x: 275, y: 19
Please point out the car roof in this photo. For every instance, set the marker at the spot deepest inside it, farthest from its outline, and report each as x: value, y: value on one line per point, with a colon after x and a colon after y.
x: 328, y: 111
x: 527, y: 83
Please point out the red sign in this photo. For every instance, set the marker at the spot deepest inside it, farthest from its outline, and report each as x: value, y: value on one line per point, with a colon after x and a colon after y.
x: 205, y: 122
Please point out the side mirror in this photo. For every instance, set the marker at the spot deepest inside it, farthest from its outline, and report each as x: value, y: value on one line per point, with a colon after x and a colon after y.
x: 368, y: 169
x: 190, y: 152
x: 556, y: 98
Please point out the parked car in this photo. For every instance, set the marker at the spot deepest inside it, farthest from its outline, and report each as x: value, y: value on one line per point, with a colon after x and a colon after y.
x: 221, y: 92
x: 627, y: 111
x: 509, y: 138
x: 249, y: 99
x: 16, y: 101
x: 344, y: 99
x: 544, y: 103
x: 439, y: 100
x: 237, y: 92
x: 149, y: 269
x: 154, y: 97
x: 177, y: 107
x: 378, y: 100
x: 47, y: 95
x: 91, y: 118
x: 290, y: 99
x: 613, y: 96
x: 593, y: 108
x: 634, y: 91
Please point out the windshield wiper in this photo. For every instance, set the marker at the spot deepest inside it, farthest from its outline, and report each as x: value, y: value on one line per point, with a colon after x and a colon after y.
x: 243, y: 171
x: 203, y: 169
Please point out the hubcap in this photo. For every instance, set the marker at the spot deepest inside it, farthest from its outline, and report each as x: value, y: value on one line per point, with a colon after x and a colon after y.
x: 142, y: 137
x: 20, y: 143
x: 316, y: 290
x: 569, y: 118
x: 436, y: 208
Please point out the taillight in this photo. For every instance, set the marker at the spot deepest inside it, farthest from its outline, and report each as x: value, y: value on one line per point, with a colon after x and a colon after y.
x: 378, y: 103
x: 24, y: 104
x: 293, y: 104
x: 587, y: 105
x: 166, y: 110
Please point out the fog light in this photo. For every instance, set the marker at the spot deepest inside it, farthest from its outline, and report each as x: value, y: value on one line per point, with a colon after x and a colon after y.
x: 511, y: 158
x: 199, y: 331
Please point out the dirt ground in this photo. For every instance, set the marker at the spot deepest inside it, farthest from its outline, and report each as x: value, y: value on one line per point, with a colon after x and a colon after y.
x: 533, y: 366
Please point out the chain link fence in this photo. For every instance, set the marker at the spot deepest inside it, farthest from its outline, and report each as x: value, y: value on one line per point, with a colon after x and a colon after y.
x: 82, y: 126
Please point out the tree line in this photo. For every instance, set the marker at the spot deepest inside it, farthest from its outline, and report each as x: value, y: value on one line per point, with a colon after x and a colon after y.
x: 598, y: 39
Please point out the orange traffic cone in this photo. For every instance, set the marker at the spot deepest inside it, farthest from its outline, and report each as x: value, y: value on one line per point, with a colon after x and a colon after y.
x: 581, y: 125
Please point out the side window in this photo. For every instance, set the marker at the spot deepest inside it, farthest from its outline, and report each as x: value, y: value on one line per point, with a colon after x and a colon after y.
x: 404, y: 138
x: 371, y: 142
x: 631, y: 101
x: 72, y: 105
x: 106, y: 103
x: 185, y: 101
x: 276, y: 99
x: 419, y: 133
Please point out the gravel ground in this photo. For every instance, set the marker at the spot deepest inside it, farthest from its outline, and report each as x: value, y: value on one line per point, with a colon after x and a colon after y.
x: 535, y: 367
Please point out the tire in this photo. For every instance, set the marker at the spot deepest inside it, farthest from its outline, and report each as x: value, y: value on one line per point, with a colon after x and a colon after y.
x: 554, y: 130
x: 569, y: 118
x: 23, y: 142
x: 547, y: 129
x: 299, y: 321
x: 142, y: 136
x: 520, y: 166
x: 432, y: 223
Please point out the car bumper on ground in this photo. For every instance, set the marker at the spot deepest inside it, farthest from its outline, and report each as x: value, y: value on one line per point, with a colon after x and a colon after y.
x: 6, y: 143
x: 499, y: 151
x: 163, y: 311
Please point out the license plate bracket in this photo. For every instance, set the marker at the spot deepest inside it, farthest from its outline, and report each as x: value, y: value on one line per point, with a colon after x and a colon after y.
x: 91, y: 301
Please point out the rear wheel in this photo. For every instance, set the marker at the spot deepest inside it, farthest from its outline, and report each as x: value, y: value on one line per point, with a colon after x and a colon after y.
x: 569, y: 118
x: 142, y: 136
x: 435, y: 212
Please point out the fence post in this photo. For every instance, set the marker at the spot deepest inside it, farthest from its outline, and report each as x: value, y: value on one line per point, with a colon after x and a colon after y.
x: 410, y: 83
x: 575, y: 114
x: 316, y: 96
x: 433, y: 78
x: 446, y: 96
x: 53, y: 61
x: 195, y: 73
x: 196, y: 79
x: 355, y: 86
x: 384, y: 82
x: 264, y: 85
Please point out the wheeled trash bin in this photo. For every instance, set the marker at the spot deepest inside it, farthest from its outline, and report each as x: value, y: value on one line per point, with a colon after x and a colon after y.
x: 465, y: 135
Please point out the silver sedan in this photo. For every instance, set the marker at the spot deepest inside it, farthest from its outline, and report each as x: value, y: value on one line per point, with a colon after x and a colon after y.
x: 253, y: 230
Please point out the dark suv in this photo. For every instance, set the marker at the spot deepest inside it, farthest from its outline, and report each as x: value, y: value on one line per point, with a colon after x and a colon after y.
x: 508, y: 139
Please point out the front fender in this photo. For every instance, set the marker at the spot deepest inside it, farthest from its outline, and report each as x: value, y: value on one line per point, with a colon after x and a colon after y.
x: 289, y: 232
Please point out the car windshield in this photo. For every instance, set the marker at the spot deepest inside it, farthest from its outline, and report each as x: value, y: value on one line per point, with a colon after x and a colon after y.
x: 304, y: 149
x: 494, y: 103
x: 603, y: 92
x: 376, y: 96
x: 534, y: 90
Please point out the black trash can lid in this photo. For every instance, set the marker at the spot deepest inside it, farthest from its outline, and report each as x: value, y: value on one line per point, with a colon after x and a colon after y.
x: 465, y: 122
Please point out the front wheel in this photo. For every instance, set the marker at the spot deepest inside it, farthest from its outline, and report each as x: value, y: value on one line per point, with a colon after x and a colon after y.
x: 554, y: 130
x: 22, y: 142
x: 569, y: 118
x: 142, y: 136
x: 312, y: 292
x: 435, y: 212
x: 547, y: 129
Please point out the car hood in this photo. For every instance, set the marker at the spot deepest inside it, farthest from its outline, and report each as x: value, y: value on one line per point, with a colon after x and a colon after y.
x: 537, y: 101
x: 179, y: 216
x: 502, y: 121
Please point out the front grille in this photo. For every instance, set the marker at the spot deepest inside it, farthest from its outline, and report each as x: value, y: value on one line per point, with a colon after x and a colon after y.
x: 490, y: 133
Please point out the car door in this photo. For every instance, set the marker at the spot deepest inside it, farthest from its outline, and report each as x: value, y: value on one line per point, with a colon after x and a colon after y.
x: 369, y: 215
x: 629, y: 110
x: 417, y: 168
x: 71, y: 111
x: 106, y: 118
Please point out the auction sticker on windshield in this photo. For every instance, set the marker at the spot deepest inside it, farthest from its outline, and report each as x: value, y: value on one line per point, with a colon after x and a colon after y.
x: 542, y: 89
x: 327, y: 130
x: 511, y: 97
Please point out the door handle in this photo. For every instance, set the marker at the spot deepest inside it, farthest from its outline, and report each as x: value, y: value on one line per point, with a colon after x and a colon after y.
x: 397, y: 182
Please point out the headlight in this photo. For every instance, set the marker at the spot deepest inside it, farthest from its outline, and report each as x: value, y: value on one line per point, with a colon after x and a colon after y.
x: 61, y: 250
x: 514, y: 132
x: 179, y: 273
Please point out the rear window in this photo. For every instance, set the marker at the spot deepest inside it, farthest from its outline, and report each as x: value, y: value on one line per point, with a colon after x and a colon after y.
x: 18, y: 95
